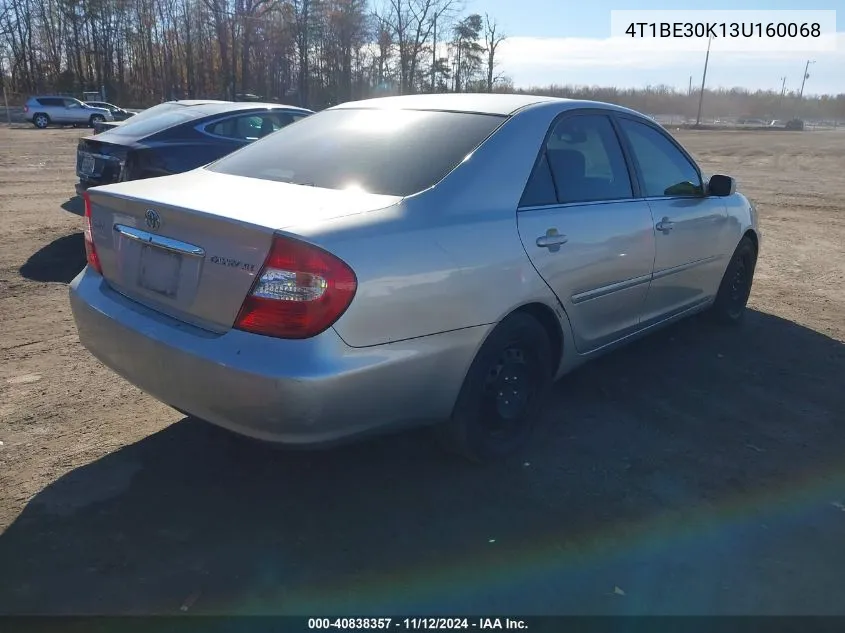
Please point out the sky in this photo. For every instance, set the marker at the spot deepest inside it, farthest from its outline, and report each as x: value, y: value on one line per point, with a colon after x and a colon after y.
x: 552, y: 41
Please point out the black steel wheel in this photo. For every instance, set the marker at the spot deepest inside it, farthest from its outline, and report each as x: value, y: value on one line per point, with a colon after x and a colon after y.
x: 502, y: 393
x: 735, y: 288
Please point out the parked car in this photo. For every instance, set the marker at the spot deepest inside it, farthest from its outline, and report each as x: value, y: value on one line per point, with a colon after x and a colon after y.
x: 408, y: 260
x: 795, y: 125
x: 45, y: 111
x: 176, y: 138
x: 118, y: 113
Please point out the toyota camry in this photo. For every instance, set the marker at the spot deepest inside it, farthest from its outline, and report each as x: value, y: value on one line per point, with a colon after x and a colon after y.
x: 432, y: 259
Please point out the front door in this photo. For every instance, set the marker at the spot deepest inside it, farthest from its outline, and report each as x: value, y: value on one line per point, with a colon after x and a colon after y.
x: 586, y: 233
x: 691, y: 228
x: 74, y: 112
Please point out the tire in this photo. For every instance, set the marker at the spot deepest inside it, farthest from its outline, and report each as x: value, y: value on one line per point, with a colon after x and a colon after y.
x: 492, y: 419
x: 732, y: 297
x: 40, y: 120
x: 96, y: 118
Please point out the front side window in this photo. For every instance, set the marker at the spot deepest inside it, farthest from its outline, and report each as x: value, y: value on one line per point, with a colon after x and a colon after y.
x: 392, y: 152
x: 72, y: 103
x: 663, y: 167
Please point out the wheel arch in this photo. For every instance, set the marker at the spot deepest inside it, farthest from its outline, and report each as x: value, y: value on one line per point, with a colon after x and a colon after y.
x: 550, y: 321
x: 751, y: 234
x: 555, y: 321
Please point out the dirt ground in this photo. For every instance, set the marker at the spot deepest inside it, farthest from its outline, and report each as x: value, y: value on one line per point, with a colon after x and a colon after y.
x: 697, y: 471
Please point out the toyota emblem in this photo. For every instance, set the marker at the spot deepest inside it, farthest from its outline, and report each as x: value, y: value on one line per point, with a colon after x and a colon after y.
x: 153, y: 219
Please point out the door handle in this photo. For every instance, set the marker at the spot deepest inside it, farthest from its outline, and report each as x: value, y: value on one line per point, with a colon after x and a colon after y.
x: 551, y: 240
x: 665, y: 225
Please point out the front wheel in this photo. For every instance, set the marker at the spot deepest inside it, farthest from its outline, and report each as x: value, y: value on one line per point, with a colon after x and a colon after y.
x: 502, y: 393
x: 732, y: 297
x: 96, y: 118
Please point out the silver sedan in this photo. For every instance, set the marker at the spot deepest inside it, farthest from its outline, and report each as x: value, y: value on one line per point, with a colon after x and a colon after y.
x: 436, y: 259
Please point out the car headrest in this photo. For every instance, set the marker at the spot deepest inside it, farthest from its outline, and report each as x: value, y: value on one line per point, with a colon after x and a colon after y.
x: 266, y: 127
x: 568, y: 161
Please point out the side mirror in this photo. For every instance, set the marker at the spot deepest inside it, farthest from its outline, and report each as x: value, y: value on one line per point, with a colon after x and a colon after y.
x: 721, y: 186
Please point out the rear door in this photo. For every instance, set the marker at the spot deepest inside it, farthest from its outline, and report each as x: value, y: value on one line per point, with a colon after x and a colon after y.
x: 691, y: 228
x: 54, y: 108
x: 585, y: 230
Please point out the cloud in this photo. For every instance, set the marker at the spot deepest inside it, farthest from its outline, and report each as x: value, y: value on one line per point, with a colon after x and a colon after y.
x: 537, y: 61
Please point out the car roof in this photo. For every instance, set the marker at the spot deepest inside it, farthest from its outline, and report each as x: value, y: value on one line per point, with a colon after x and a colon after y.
x: 481, y: 103
x: 55, y: 97
x: 224, y: 107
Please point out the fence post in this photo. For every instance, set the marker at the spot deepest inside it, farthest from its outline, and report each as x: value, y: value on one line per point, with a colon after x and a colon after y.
x: 6, y: 105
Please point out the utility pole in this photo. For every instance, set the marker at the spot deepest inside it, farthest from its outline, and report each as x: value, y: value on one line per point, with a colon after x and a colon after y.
x: 782, y: 92
x: 806, y: 75
x: 434, y: 53
x: 703, y: 79
x: 689, y: 90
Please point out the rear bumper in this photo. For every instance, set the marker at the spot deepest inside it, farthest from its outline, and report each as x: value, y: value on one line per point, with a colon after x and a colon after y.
x: 311, y: 391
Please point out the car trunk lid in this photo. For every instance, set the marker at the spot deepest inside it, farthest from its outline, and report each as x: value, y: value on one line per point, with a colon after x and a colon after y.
x: 99, y: 161
x: 190, y: 245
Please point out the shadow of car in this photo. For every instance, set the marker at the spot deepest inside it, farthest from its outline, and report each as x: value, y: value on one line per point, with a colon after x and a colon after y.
x: 693, y: 471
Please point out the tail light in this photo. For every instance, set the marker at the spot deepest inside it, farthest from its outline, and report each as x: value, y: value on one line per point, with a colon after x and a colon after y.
x: 25, y: 109
x: 300, y: 291
x: 90, y: 249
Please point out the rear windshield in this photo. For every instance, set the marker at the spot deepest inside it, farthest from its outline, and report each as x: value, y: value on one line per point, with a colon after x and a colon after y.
x: 392, y: 152
x: 155, y: 119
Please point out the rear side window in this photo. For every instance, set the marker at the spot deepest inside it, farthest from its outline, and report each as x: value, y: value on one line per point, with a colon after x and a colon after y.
x: 250, y: 127
x: 51, y: 102
x: 581, y: 162
x: 541, y: 186
x: 393, y: 152
x: 586, y: 160
x: 240, y: 128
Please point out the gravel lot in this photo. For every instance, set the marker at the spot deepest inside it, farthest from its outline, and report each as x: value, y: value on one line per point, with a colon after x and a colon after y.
x: 697, y: 471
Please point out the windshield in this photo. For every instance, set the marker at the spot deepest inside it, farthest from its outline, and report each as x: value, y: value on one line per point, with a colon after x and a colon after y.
x: 392, y: 152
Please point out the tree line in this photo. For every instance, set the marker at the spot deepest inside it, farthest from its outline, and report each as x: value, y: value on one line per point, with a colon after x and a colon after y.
x: 313, y: 53
x: 715, y: 103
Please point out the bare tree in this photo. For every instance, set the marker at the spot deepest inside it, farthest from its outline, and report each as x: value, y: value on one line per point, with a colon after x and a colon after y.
x: 492, y: 38
x: 412, y: 23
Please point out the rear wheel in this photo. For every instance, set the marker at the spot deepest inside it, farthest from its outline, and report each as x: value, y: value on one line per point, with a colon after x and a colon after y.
x: 502, y: 392
x: 41, y: 120
x: 96, y: 118
x: 729, y: 307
